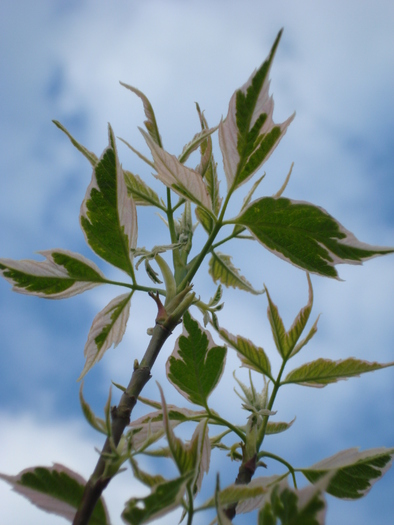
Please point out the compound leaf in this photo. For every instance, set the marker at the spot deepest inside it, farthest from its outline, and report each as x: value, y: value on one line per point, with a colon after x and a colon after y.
x: 142, y: 194
x: 222, y: 269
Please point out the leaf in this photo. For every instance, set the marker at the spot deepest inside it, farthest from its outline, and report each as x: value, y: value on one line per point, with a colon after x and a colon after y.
x: 322, y: 372
x: 305, y: 235
x: 277, y: 427
x: 237, y: 228
x: 205, y: 218
x: 164, y: 497
x: 107, y: 329
x: 286, y: 341
x: 108, y: 214
x: 353, y: 472
x: 63, y: 274
x: 252, y: 357
x: 294, y: 507
x: 144, y: 477
x: 57, y: 490
x: 196, y: 141
x: 96, y: 422
x: 196, y: 364
x: 221, y: 269
x: 92, y: 158
x: 141, y: 193
x: 248, y: 135
x: 184, y: 181
x: 150, y: 123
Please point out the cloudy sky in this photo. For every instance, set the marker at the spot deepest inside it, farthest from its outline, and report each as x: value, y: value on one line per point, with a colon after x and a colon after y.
x: 63, y: 60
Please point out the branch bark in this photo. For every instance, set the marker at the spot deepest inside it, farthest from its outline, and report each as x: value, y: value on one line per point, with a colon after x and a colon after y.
x: 120, y: 419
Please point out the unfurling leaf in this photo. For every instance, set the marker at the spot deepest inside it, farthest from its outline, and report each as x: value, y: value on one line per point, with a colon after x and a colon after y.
x: 252, y: 356
x: 150, y: 123
x: 248, y: 135
x: 277, y: 427
x: 196, y: 364
x: 164, y: 497
x: 353, y: 472
x: 305, y: 235
x: 108, y: 214
x: 286, y: 342
x: 142, y: 194
x: 57, y: 490
x: 184, y: 181
x: 62, y: 275
x: 107, y: 329
x: 222, y: 269
x: 322, y: 372
x: 88, y: 154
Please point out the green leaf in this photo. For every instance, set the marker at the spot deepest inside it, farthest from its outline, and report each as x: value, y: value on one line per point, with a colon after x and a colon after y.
x: 164, y: 497
x: 205, y: 218
x: 150, y: 123
x: 141, y: 193
x: 107, y: 329
x: 353, y: 472
x: 96, y: 422
x: 237, y: 228
x: 196, y: 364
x: 144, y: 477
x: 88, y: 154
x: 196, y: 141
x: 252, y: 356
x: 286, y: 341
x: 63, y: 274
x: 305, y: 235
x: 294, y: 507
x: 57, y: 490
x: 248, y: 135
x: 221, y: 269
x: 322, y: 372
x: 108, y: 214
x: 277, y: 427
x: 184, y: 181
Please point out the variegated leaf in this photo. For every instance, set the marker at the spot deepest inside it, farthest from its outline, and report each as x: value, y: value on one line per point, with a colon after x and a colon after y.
x: 108, y: 214
x: 195, y: 143
x: 184, y: 181
x: 252, y: 356
x: 222, y: 269
x: 150, y: 123
x: 63, y: 274
x: 92, y: 158
x: 107, y: 329
x: 322, y: 372
x: 142, y: 194
x: 277, y: 427
x: 248, y: 135
x: 305, y: 235
x: 353, y: 472
x: 57, y: 490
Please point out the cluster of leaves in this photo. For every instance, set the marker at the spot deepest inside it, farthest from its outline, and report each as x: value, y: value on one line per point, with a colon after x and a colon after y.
x: 298, y: 232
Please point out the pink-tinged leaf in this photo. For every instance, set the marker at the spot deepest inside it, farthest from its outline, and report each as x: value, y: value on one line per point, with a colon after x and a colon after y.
x: 322, y: 372
x: 196, y: 141
x: 63, y: 274
x: 186, y: 182
x: 352, y: 472
x: 108, y: 213
x: 150, y: 123
x: 248, y: 135
x: 107, y: 329
x: 57, y: 490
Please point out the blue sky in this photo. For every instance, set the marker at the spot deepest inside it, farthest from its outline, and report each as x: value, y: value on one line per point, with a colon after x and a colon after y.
x: 334, y: 67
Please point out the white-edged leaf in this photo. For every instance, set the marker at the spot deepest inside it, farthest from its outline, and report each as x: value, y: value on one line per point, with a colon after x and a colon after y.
x: 142, y: 194
x: 222, y: 269
x: 196, y: 363
x: 92, y: 158
x: 150, y: 123
x: 63, y: 274
x: 248, y: 135
x: 107, y: 329
x: 322, y: 372
x: 278, y: 426
x: 108, y: 213
x: 353, y: 472
x: 196, y: 141
x: 184, y: 181
x: 164, y: 497
x: 252, y: 356
x: 305, y: 235
x: 57, y: 490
